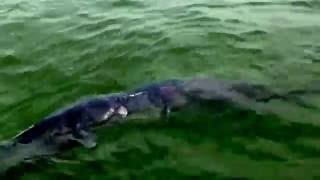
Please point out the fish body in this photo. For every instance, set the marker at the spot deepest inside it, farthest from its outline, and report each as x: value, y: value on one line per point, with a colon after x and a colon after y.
x: 74, y: 124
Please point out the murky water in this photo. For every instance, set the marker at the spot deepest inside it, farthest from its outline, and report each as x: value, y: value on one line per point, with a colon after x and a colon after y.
x: 52, y: 52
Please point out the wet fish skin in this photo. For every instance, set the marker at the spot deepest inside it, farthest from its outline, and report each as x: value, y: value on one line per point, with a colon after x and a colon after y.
x: 73, y: 125
x: 74, y: 122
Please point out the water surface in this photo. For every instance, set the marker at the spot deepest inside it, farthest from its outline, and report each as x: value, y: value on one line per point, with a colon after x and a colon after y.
x: 52, y: 52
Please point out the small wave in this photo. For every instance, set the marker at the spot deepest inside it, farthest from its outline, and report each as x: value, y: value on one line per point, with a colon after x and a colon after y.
x: 128, y: 4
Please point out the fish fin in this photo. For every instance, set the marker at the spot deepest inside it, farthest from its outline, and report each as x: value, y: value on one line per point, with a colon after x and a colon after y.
x: 165, y: 113
x: 85, y: 138
x: 88, y: 142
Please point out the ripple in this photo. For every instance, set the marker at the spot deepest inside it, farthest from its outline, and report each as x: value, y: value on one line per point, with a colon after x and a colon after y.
x: 307, y: 4
x: 128, y: 3
x: 255, y: 33
x: 53, y: 52
x: 231, y: 36
x: 10, y: 60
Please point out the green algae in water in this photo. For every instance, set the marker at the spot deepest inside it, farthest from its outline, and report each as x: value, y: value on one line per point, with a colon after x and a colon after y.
x: 54, y: 52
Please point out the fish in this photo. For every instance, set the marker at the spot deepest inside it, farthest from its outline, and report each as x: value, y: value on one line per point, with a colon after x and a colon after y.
x: 74, y: 124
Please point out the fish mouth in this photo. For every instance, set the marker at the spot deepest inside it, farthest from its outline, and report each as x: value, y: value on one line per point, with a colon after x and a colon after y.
x: 121, y: 110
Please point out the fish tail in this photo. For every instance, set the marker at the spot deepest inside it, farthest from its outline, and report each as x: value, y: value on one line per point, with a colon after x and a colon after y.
x: 294, y: 96
x: 236, y: 91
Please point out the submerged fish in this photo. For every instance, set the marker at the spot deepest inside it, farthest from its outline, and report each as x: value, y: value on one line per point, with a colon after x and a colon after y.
x: 73, y: 125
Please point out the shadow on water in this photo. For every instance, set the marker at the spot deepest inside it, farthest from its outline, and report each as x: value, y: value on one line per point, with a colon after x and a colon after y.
x: 230, y: 130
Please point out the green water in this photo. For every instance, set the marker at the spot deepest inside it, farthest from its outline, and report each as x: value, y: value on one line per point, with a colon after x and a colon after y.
x: 52, y: 52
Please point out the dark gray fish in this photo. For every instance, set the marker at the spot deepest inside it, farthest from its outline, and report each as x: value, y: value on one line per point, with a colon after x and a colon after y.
x: 73, y: 125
